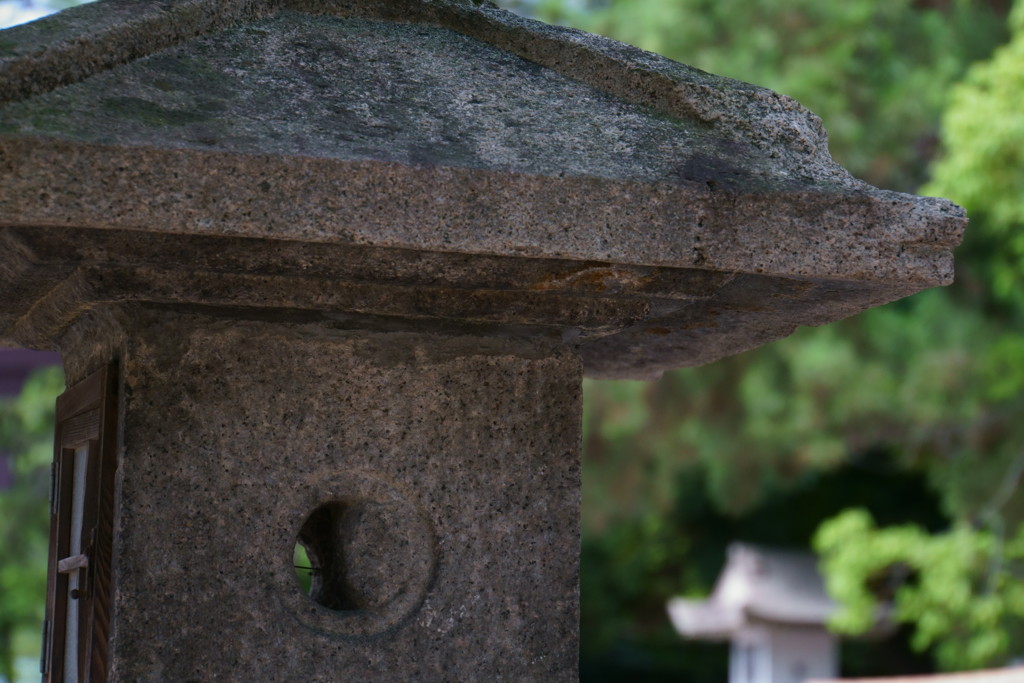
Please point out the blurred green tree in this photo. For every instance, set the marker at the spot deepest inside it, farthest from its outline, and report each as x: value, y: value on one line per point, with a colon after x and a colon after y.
x: 930, y: 387
x: 961, y: 589
x: 983, y: 169
x: 968, y: 594
x: 26, y: 432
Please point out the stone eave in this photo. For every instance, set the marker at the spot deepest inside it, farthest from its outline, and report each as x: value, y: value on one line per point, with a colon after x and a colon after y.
x: 645, y: 273
x: 875, y: 236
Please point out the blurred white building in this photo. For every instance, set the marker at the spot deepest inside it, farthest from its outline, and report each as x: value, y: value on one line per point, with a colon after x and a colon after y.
x: 772, y: 607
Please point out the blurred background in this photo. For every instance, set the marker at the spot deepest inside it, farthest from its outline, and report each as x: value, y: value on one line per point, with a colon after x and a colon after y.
x: 891, y: 444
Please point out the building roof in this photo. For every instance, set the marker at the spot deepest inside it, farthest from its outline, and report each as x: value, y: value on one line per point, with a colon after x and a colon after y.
x: 429, y: 160
x: 757, y: 585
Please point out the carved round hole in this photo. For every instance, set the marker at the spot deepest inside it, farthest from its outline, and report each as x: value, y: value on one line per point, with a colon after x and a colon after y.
x: 355, y: 555
x: 364, y: 553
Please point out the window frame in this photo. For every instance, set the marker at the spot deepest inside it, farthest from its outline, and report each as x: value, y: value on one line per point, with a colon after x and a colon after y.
x: 86, y: 415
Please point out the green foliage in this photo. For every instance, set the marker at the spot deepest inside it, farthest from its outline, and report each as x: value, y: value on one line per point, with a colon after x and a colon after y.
x: 26, y: 432
x: 983, y: 169
x: 936, y: 382
x: 964, y: 594
x: 899, y: 376
x: 968, y: 597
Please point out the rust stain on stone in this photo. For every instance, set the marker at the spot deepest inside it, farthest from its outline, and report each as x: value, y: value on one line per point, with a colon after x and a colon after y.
x: 594, y: 279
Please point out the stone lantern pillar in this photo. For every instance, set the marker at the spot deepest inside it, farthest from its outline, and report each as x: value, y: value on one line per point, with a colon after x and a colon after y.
x: 341, y: 267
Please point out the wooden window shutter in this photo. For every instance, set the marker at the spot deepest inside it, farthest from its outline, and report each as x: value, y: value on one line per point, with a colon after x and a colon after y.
x: 76, y: 630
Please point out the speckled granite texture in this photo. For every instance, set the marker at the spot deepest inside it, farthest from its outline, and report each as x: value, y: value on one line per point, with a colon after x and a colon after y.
x: 235, y: 432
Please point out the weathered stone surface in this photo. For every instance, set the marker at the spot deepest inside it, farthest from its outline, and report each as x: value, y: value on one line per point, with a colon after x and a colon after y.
x: 461, y: 452
x: 627, y: 320
x: 352, y: 257
x: 440, y: 128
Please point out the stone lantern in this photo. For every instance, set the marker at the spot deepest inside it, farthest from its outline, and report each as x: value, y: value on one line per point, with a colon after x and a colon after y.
x: 772, y: 607
x: 327, y: 274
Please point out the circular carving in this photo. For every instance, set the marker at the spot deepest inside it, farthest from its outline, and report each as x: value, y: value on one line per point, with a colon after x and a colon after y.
x: 371, y: 554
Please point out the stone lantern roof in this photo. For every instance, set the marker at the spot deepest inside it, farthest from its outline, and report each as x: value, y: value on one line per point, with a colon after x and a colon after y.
x: 429, y: 163
x: 757, y: 585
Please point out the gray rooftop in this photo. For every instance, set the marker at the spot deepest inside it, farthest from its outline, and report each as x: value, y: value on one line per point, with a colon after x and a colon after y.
x: 429, y: 162
x: 757, y: 585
